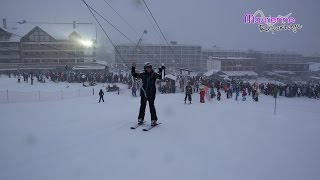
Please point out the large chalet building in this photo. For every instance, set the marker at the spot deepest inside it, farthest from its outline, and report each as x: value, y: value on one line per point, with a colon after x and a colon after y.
x: 46, y: 45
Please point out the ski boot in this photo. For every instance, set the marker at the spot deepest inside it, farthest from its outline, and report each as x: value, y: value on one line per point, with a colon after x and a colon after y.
x: 153, y: 123
x: 140, y: 121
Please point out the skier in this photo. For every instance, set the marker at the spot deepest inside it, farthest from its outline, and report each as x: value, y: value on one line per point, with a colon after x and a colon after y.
x: 237, y: 93
x: 148, y: 90
x: 229, y: 93
x: 256, y: 96
x: 218, y: 95
x: 299, y: 92
x: 212, y: 93
x: 202, y: 94
x: 18, y: 76
x: 134, y: 91
x: 188, y: 94
x: 244, y: 94
x: 196, y: 86
x: 101, y: 93
x: 31, y: 80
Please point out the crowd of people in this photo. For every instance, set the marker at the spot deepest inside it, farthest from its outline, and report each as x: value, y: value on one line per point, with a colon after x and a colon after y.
x: 69, y: 76
x: 213, y: 88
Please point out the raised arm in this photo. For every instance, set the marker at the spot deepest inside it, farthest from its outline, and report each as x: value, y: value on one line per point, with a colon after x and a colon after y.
x: 133, y: 71
x: 161, y: 71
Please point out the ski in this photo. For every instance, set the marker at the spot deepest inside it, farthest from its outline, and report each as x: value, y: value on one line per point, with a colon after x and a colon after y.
x: 136, y: 126
x: 150, y: 127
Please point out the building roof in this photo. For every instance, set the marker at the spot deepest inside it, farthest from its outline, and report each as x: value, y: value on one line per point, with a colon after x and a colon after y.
x: 57, y: 31
x: 5, y: 30
x: 230, y: 58
x: 248, y: 51
x: 88, y: 67
x: 172, y: 77
x: 184, y: 69
x: 102, y: 62
x: 211, y: 72
x: 12, y: 36
x: 284, y: 72
x: 314, y: 67
x: 240, y: 73
x: 223, y: 50
x: 149, y: 44
x: 315, y: 77
x: 290, y: 63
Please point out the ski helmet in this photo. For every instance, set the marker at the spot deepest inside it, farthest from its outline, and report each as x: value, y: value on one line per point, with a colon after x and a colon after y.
x: 147, y: 64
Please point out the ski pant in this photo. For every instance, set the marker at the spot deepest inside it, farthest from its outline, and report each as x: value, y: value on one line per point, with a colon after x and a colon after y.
x: 101, y: 97
x: 143, y: 104
x: 189, y: 97
x: 134, y: 94
x: 201, y: 98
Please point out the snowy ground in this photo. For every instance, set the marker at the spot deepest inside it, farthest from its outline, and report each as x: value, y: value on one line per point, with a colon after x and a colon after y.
x: 228, y: 140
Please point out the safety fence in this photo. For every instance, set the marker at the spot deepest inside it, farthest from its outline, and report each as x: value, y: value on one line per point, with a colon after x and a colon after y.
x: 9, y: 96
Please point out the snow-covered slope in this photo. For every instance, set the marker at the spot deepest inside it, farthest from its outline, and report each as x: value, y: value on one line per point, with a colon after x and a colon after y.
x: 227, y: 140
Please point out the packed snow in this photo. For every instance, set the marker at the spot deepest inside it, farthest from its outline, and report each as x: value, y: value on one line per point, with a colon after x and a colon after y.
x: 82, y: 139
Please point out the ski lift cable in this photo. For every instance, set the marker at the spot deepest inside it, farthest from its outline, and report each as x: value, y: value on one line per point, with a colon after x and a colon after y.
x: 118, y: 30
x: 104, y: 32
x: 110, y: 23
x: 155, y: 29
x: 159, y: 28
x: 137, y: 34
x: 137, y: 46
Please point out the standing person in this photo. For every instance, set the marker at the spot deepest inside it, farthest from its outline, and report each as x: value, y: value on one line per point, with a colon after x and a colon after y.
x: 229, y: 93
x: 134, y: 91
x: 244, y: 94
x: 18, y: 76
x: 212, y: 93
x: 148, y: 90
x: 197, y: 85
x: 188, y: 94
x: 226, y: 90
x: 256, y: 96
x: 202, y: 94
x: 101, y: 93
x: 237, y: 93
x: 218, y: 95
x: 299, y: 92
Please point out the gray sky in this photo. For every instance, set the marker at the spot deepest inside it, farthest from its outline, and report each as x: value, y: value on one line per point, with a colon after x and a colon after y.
x: 200, y: 22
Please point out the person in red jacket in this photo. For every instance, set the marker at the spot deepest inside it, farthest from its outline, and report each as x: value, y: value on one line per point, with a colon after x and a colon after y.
x: 202, y: 94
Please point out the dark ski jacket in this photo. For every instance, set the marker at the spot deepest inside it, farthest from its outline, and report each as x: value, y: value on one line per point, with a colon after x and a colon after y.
x: 188, y: 89
x: 101, y: 93
x: 148, y: 88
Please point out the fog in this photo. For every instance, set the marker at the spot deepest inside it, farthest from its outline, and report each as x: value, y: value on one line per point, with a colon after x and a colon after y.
x: 202, y: 22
